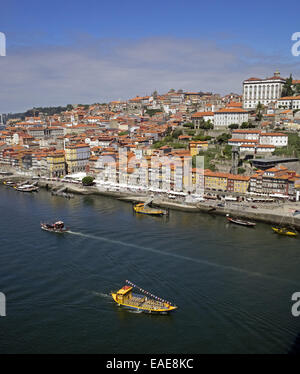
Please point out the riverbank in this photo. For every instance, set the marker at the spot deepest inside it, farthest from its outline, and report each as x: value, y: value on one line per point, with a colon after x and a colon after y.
x: 271, y: 213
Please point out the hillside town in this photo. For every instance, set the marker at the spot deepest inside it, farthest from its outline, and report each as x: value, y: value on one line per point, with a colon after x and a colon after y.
x: 250, y: 143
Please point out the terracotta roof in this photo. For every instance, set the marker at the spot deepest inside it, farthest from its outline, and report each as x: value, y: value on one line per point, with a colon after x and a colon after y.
x: 232, y: 110
x: 234, y: 104
x: 265, y: 146
x: 253, y: 79
x: 202, y: 114
x: 272, y: 134
x: 243, y: 140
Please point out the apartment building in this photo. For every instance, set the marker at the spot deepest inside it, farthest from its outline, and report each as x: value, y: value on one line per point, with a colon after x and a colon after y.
x: 77, y: 157
x: 228, y: 116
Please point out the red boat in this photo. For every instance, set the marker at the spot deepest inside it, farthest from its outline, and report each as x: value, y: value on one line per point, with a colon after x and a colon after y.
x: 58, y: 227
x: 240, y: 222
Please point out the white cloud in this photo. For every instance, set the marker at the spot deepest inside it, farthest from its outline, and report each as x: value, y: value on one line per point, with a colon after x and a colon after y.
x: 102, y: 70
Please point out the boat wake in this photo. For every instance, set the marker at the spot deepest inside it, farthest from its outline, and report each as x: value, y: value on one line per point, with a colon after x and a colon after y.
x: 186, y: 258
x: 101, y: 294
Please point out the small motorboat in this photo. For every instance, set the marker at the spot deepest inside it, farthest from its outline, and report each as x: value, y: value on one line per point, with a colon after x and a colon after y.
x: 240, y: 222
x: 58, y: 227
x: 285, y: 231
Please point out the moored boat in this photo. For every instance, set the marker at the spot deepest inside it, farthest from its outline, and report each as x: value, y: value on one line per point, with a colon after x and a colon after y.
x: 146, y: 303
x: 144, y: 209
x: 9, y: 183
x: 27, y: 188
x: 284, y: 231
x: 58, y: 227
x: 240, y: 222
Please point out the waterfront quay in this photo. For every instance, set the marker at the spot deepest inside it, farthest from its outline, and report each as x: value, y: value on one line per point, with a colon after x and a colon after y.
x: 273, y: 212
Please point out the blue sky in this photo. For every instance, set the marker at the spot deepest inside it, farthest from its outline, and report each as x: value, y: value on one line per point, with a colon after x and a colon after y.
x: 61, y: 52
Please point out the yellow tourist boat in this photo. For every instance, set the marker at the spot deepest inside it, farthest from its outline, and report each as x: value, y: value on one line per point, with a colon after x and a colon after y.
x: 147, y: 303
x: 144, y: 209
x: 284, y: 231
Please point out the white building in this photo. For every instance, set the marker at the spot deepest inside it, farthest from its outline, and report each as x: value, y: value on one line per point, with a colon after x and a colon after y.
x: 266, y: 148
x: 228, y: 116
x: 277, y: 139
x: 288, y: 102
x: 262, y: 142
x: 265, y: 91
x: 238, y: 142
x: 198, y: 116
x: 246, y: 134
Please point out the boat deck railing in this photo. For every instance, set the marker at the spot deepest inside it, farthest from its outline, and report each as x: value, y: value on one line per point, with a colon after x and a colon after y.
x: 147, y: 303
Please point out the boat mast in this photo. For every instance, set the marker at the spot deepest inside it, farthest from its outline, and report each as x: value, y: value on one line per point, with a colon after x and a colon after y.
x: 148, y: 293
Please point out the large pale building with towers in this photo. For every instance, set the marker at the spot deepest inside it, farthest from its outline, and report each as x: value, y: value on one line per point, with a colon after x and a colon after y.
x: 265, y: 91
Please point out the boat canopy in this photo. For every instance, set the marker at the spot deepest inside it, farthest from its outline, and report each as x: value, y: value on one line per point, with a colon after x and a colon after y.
x: 59, y: 224
x: 124, y: 290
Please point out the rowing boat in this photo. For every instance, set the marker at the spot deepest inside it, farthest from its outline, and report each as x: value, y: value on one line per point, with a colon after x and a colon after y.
x: 240, y: 222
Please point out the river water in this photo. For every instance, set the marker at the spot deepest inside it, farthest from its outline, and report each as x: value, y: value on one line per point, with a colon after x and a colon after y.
x: 232, y: 284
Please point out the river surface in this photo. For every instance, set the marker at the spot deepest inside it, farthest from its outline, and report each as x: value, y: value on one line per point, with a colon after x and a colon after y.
x: 232, y: 284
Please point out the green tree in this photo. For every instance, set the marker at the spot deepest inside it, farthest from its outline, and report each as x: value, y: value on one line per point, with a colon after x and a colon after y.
x: 88, y: 181
x: 287, y: 89
x: 227, y: 151
x: 259, y: 107
x: 152, y: 112
x: 223, y: 138
x: 292, y: 149
x: 297, y: 89
x: 176, y: 133
x: 201, y: 138
x: 245, y: 125
x: 191, y: 132
x: 188, y: 124
x: 258, y: 112
x: 206, y: 125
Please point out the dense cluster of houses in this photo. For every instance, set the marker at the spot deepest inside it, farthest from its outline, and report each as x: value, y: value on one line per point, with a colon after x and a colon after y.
x: 93, y: 139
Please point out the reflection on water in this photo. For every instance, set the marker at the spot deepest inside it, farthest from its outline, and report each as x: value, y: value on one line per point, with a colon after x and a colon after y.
x: 232, y: 284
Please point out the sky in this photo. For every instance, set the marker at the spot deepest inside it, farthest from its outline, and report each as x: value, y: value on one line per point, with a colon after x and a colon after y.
x: 71, y: 51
